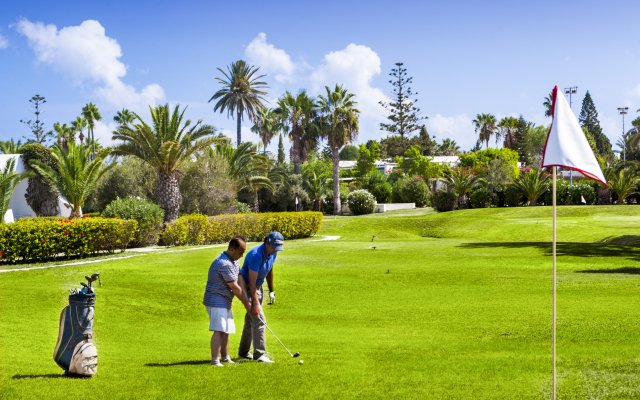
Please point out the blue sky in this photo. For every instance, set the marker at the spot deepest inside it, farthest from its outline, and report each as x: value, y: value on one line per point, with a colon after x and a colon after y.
x: 465, y: 57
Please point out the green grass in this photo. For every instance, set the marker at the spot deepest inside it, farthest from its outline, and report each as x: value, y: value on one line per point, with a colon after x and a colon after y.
x: 453, y: 305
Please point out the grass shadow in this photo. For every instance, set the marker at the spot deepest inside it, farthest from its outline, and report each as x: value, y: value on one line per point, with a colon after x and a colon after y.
x: 625, y: 270
x: 200, y: 362
x: 41, y: 376
x: 572, y: 249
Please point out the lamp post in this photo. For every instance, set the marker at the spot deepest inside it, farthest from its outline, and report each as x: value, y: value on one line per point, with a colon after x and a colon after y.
x: 622, y: 111
x: 570, y: 91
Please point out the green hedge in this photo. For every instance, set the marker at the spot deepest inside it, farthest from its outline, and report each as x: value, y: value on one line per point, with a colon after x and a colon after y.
x: 200, y: 229
x: 148, y: 215
x: 41, y: 238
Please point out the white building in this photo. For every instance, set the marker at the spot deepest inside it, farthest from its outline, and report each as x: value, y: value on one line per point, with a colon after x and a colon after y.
x: 18, y: 205
x: 386, y: 166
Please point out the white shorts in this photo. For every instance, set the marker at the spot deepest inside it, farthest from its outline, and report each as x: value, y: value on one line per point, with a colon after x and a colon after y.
x: 221, y: 320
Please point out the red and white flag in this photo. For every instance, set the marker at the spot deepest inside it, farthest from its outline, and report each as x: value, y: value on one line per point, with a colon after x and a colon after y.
x: 567, y: 146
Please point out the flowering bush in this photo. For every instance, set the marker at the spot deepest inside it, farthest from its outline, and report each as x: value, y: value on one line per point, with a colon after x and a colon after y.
x: 198, y: 229
x: 413, y: 189
x: 575, y: 191
x: 361, y: 202
x: 41, y: 239
x: 148, y: 215
x: 443, y: 200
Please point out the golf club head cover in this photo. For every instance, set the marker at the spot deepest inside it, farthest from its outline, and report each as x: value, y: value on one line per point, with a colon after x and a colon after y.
x: 76, y: 327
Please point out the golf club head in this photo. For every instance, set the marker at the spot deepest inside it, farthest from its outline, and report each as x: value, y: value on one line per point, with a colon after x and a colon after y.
x: 84, y: 284
x: 296, y: 355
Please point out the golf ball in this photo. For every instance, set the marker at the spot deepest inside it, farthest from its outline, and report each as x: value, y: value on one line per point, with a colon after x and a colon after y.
x: 300, y: 362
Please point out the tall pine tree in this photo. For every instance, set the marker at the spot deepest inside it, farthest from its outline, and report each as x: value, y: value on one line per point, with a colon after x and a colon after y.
x: 589, y: 120
x: 404, y: 117
x: 281, y: 155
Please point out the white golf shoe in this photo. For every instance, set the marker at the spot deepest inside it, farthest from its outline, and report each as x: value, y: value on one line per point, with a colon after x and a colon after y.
x: 264, y: 359
x: 247, y: 356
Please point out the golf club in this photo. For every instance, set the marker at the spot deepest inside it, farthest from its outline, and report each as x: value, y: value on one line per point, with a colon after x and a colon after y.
x: 274, y: 335
x: 92, y: 278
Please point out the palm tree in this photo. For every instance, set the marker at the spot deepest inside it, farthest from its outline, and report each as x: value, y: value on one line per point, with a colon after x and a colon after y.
x: 165, y: 145
x: 485, y: 127
x: 296, y: 114
x: 610, y: 167
x: 91, y: 113
x: 266, y: 126
x: 317, y: 187
x: 548, y: 105
x: 9, y: 147
x: 532, y: 184
x: 250, y: 170
x: 338, y: 122
x: 124, y: 117
x: 9, y: 179
x: 507, y: 128
x: 240, y: 93
x: 462, y: 182
x: 78, y: 125
x: 79, y: 172
x: 623, y: 183
x: 448, y: 148
x: 63, y: 133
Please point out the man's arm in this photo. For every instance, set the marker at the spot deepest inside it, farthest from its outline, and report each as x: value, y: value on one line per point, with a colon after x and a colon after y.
x: 270, y: 280
x: 253, y: 293
x: 237, y: 290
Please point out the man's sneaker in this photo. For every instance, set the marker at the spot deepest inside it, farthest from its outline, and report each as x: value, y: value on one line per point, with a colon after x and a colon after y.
x: 264, y: 359
x: 227, y: 360
x: 247, y: 356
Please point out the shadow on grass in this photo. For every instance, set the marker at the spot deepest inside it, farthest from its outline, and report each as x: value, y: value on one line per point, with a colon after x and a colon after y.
x: 572, y: 249
x: 625, y: 270
x: 42, y: 376
x: 201, y: 362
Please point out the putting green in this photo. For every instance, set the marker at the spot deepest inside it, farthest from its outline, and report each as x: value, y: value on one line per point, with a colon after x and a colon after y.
x: 452, y: 305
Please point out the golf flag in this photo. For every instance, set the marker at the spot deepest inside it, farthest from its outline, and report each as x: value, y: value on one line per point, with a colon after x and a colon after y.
x: 566, y: 145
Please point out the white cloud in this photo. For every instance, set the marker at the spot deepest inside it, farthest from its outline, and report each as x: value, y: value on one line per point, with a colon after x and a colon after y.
x: 459, y: 128
x: 4, y: 43
x: 272, y: 60
x: 103, y: 130
x: 84, y: 54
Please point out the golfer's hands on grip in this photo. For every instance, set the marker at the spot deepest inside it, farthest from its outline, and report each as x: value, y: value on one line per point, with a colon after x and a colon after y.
x: 255, y: 310
x: 272, y: 297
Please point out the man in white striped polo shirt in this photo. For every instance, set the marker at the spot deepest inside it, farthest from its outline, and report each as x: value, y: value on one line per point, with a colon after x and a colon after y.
x: 218, y: 296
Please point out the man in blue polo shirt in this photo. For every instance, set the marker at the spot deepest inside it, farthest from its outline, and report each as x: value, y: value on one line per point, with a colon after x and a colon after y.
x: 258, y: 267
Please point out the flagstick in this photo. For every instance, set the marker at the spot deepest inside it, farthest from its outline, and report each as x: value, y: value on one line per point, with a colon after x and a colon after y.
x: 554, y: 282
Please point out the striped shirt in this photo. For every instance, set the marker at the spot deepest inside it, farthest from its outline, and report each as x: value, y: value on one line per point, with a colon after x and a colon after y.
x: 217, y: 292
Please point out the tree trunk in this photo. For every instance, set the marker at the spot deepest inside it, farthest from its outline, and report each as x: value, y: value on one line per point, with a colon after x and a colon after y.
x: 256, y: 202
x: 335, y: 158
x: 239, y: 134
x: 75, y: 212
x: 604, y: 195
x: 533, y: 203
x: 169, y: 197
x: 295, y: 134
x: 463, y: 202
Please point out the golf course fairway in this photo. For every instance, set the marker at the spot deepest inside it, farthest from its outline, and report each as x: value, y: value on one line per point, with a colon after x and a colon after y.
x: 436, y: 306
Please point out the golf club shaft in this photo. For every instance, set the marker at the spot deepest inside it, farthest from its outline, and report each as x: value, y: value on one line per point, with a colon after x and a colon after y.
x: 274, y: 335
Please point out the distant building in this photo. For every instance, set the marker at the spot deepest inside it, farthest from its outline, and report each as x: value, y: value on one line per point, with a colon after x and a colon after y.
x: 386, y: 166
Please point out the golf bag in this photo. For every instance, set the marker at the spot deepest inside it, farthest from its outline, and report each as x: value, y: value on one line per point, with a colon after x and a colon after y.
x: 75, y: 353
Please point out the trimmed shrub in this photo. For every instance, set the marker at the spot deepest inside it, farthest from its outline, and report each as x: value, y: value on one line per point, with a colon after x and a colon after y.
x: 41, y: 196
x: 198, y: 229
x: 481, y: 198
x: 148, y: 215
x: 413, y: 189
x: 443, y: 200
x: 41, y: 238
x: 575, y: 191
x: 361, y: 202
x: 382, y: 192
